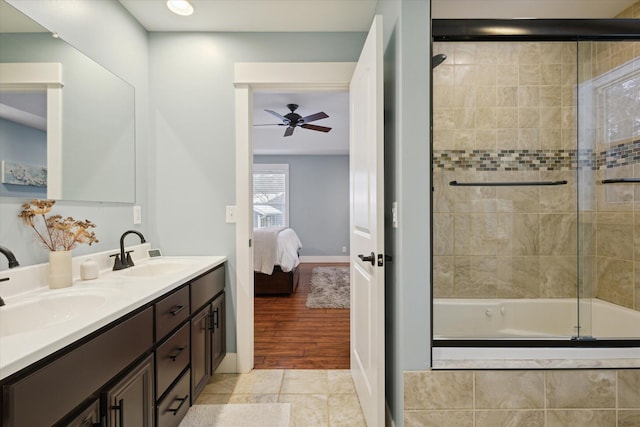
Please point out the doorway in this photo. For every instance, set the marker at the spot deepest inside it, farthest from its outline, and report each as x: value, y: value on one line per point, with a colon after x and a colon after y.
x: 251, y: 77
x: 301, y: 188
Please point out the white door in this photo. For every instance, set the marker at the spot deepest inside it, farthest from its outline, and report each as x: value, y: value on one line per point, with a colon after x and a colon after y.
x: 367, y: 228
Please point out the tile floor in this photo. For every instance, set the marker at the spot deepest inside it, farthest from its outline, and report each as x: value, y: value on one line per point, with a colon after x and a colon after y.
x: 323, y: 398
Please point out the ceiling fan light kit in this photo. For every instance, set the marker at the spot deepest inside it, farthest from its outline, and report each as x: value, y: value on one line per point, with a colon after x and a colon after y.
x: 292, y: 120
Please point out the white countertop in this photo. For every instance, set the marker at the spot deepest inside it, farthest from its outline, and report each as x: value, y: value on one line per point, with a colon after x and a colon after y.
x: 118, y: 294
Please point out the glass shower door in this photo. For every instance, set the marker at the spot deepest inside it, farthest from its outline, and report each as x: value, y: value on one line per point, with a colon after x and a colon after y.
x: 608, y: 105
x: 505, y: 176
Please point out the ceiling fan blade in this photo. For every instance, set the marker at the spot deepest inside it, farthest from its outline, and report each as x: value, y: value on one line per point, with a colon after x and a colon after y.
x: 316, y: 127
x: 289, y: 131
x: 270, y: 124
x: 278, y: 115
x: 314, y: 117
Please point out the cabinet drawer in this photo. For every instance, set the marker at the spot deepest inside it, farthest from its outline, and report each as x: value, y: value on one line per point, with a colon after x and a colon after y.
x: 175, y: 405
x: 67, y: 381
x: 172, y: 357
x: 171, y: 311
x: 206, y: 287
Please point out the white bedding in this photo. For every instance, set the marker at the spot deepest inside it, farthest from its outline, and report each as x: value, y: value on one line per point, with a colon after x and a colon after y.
x: 275, y: 246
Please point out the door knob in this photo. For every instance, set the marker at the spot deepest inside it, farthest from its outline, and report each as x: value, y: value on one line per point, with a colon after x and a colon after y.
x: 371, y: 258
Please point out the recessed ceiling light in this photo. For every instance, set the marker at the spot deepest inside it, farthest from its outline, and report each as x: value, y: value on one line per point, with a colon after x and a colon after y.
x: 180, y: 7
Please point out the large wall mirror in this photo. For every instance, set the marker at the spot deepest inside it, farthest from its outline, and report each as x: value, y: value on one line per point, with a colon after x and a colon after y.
x: 72, y: 139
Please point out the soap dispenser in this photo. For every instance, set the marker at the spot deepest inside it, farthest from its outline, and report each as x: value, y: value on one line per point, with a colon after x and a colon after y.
x: 89, y: 270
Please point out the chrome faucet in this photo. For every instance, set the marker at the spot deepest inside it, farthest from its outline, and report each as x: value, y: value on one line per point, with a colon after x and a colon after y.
x: 123, y: 259
x: 13, y: 262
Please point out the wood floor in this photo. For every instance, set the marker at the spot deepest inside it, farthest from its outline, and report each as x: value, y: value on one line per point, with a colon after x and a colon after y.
x: 289, y: 335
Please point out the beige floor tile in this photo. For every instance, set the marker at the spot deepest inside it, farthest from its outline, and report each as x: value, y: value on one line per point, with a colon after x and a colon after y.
x: 340, y: 382
x: 260, y: 381
x: 305, y: 381
x: 344, y: 411
x: 213, y: 398
x: 318, y: 397
x: 307, y: 410
x: 221, y: 383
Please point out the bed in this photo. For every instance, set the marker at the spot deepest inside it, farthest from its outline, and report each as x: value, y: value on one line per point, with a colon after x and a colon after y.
x: 275, y: 260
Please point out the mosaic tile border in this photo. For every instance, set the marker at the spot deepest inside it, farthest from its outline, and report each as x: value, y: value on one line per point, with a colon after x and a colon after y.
x: 536, y: 160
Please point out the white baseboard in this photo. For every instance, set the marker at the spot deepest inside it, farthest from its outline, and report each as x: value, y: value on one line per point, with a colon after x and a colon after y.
x: 228, y: 364
x: 324, y: 259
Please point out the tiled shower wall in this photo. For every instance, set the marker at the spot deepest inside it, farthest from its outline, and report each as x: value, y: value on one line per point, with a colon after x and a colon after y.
x: 504, y: 112
x: 507, y: 112
x: 586, y: 398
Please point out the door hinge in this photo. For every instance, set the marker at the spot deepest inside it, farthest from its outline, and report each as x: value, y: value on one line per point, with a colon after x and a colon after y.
x: 249, y: 242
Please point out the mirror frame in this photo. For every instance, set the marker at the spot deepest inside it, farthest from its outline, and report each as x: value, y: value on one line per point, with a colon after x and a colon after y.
x: 46, y: 76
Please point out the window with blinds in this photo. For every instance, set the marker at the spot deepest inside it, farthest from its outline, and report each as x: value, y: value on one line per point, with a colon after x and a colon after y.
x: 270, y: 195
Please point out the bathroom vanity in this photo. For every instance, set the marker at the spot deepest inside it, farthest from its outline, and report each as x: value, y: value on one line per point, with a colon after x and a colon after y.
x: 140, y: 359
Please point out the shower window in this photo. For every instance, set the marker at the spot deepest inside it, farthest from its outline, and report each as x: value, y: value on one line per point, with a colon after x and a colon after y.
x: 528, y: 243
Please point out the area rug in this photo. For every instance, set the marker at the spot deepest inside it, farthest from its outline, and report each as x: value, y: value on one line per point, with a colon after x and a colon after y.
x: 329, y: 288
x: 239, y: 414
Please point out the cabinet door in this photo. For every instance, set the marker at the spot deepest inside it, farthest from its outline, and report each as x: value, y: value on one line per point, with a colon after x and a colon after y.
x: 130, y: 401
x: 90, y: 417
x: 200, y: 351
x: 218, y: 329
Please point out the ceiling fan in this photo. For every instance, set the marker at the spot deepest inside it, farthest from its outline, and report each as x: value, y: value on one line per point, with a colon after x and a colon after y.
x: 292, y: 120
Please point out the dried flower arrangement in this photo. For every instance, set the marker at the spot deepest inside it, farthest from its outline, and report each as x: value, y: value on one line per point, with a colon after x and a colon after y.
x: 59, y: 234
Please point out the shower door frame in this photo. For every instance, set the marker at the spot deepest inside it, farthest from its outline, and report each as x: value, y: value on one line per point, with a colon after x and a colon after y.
x: 534, y: 30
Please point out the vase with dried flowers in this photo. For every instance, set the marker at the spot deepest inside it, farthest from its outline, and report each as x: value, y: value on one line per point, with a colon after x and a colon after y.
x: 59, y: 235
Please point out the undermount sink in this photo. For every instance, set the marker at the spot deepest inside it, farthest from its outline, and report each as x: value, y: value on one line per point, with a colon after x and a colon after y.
x: 42, y: 311
x: 155, y: 268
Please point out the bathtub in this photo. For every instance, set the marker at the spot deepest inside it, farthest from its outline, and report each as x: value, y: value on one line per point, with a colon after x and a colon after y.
x: 544, y: 319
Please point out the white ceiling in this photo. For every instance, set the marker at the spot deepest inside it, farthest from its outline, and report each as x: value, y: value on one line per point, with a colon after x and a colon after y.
x: 347, y: 15
x: 256, y: 15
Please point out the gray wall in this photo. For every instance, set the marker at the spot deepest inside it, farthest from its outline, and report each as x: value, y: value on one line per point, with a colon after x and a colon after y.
x: 187, y: 161
x: 22, y: 144
x: 109, y: 35
x: 318, y: 201
x: 193, y: 121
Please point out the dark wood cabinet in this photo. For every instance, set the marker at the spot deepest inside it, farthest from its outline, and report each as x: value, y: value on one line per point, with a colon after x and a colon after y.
x: 208, y: 329
x: 144, y: 369
x: 130, y: 401
x: 79, y: 372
